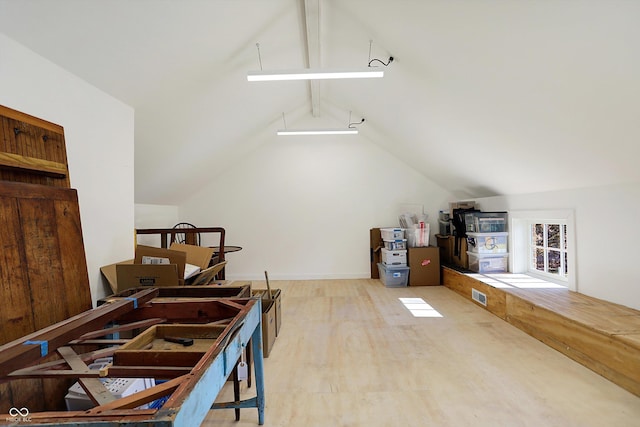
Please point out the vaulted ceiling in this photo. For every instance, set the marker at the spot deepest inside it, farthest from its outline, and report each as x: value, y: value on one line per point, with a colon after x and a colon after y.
x: 483, y: 97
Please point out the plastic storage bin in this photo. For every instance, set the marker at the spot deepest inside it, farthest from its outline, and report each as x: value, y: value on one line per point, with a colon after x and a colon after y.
x: 394, y: 257
x: 392, y: 233
x: 488, y: 263
x: 393, y: 276
x: 395, y: 245
x: 487, y: 243
x: 486, y: 222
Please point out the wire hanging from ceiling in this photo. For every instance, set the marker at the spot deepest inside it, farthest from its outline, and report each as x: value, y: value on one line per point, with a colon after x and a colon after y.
x: 386, y: 64
x: 351, y: 124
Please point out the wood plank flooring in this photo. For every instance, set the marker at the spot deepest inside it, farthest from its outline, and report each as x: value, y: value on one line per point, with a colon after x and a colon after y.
x: 350, y: 354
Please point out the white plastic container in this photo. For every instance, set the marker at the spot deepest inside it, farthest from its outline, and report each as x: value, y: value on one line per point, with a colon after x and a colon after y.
x: 394, y: 257
x: 418, y: 237
x: 392, y: 276
x: 487, y: 243
x: 488, y: 263
x: 392, y: 233
x: 395, y: 245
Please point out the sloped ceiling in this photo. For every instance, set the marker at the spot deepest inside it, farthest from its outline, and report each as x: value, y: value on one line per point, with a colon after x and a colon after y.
x: 483, y: 97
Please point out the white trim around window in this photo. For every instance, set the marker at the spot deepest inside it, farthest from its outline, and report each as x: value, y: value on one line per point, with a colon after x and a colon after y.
x: 519, y: 236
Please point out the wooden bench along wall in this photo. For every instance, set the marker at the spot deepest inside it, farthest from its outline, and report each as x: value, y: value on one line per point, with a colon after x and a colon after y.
x: 603, y: 336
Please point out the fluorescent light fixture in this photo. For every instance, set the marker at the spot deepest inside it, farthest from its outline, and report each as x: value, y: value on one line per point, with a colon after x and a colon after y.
x: 314, y: 74
x: 342, y: 131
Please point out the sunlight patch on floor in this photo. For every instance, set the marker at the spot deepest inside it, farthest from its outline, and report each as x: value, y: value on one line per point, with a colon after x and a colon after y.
x: 514, y: 280
x: 419, y: 307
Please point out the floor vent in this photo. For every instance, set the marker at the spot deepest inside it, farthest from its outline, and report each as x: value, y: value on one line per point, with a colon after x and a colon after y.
x: 478, y: 296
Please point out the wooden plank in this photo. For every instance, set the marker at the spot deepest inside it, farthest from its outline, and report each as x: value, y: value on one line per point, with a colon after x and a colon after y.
x: 27, y: 118
x: 142, y: 397
x: 32, y: 164
x: 95, y: 389
x: 151, y: 348
x: 75, y: 276
x: 49, y: 299
x: 33, y: 150
x: 16, y: 316
x: 22, y: 190
x: 33, y: 371
x: 47, y: 222
x: 17, y: 354
x: 193, y: 311
x: 120, y: 328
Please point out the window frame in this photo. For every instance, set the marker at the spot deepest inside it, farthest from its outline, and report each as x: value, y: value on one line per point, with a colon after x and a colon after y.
x: 547, y: 249
x: 520, y: 223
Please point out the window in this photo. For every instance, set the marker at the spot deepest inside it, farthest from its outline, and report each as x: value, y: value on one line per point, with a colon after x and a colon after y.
x: 548, y: 249
x: 542, y: 245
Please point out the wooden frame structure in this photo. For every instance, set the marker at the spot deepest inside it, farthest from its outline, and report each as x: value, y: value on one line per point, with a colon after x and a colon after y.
x: 65, y: 349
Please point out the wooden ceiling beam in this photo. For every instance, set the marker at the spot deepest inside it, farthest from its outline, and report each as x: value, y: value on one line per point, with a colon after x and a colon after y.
x: 312, y: 24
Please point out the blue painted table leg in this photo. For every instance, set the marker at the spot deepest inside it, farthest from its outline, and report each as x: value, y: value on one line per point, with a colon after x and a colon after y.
x: 258, y: 364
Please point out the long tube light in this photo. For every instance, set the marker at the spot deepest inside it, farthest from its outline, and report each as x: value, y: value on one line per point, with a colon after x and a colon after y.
x: 314, y: 74
x: 341, y: 131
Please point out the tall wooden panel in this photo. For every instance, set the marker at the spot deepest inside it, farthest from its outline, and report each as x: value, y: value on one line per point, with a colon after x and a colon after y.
x: 43, y: 272
x: 32, y: 150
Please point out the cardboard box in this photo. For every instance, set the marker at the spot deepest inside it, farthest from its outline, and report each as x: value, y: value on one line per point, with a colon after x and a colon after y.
x: 446, y: 249
x: 398, y: 258
x: 467, y: 204
x: 424, y: 266
x: 178, y: 258
x: 196, y: 255
x: 268, y: 326
x: 461, y: 260
x: 125, y: 274
x: 375, y: 244
x: 447, y: 245
x: 132, y: 273
x: 276, y: 296
x: 136, y: 275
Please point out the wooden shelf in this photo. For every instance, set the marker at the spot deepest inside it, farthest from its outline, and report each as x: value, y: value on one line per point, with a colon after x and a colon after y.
x: 32, y: 164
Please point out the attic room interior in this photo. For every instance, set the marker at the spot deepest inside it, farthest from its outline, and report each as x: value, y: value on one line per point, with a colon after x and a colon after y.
x: 344, y: 279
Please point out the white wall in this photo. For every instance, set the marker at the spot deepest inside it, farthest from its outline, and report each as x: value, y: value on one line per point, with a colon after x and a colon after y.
x: 99, y: 139
x: 607, y: 235
x: 301, y: 208
x: 154, y: 216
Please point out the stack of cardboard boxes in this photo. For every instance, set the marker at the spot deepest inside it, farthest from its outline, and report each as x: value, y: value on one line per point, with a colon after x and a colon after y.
x: 393, y: 268
x: 401, y: 265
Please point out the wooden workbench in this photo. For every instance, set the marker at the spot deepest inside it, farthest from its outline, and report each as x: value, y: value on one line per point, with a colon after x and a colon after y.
x: 65, y: 349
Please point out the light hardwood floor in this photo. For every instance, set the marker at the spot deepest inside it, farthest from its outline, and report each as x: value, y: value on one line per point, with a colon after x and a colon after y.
x: 350, y: 354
